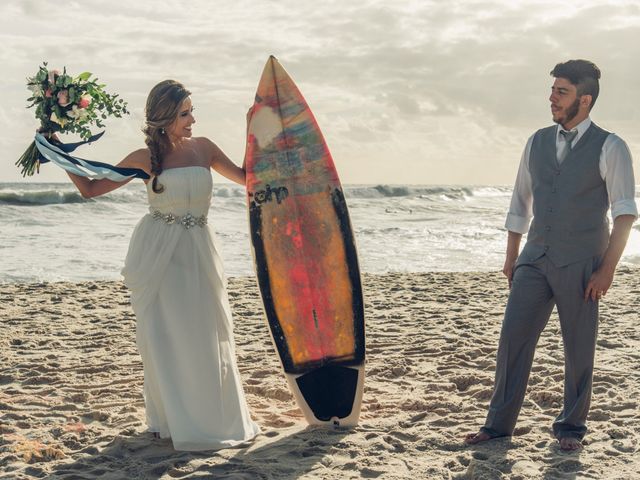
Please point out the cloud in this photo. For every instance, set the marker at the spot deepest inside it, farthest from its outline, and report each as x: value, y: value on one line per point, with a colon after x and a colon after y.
x: 421, y: 84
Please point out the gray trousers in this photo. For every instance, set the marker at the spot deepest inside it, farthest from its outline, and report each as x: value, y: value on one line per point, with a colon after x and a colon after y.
x: 536, y: 288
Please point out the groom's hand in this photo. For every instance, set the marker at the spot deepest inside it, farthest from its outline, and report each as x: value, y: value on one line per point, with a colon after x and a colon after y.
x: 507, y: 270
x: 599, y: 284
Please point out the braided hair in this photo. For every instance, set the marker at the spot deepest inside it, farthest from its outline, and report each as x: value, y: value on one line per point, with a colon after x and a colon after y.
x: 163, y: 105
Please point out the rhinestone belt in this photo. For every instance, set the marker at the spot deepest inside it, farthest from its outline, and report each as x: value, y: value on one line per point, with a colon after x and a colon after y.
x: 187, y: 221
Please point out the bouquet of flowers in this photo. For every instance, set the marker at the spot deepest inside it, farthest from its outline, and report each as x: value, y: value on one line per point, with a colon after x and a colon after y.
x: 67, y: 104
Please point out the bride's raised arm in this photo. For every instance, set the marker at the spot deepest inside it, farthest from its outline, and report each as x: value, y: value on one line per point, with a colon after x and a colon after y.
x: 222, y: 164
x: 90, y: 188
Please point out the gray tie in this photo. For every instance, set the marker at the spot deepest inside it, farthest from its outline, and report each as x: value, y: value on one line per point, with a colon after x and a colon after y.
x: 568, y: 138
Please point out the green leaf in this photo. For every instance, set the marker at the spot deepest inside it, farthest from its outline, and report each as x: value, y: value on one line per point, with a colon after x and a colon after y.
x: 42, y: 75
x: 84, y: 76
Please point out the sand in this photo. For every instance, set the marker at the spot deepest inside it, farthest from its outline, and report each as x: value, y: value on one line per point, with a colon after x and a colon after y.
x: 71, y: 402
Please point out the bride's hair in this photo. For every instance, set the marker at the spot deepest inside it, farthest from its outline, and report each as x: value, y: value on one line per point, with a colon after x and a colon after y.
x: 163, y: 105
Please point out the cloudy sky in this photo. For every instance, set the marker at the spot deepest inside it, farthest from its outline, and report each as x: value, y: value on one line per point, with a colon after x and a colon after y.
x: 420, y: 92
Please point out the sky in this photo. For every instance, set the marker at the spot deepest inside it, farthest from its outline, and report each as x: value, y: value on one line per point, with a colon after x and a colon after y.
x: 405, y: 92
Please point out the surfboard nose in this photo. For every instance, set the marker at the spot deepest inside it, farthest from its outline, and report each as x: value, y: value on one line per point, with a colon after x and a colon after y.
x: 275, y: 77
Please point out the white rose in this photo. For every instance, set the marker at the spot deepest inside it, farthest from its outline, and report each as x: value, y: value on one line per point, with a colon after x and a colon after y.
x: 77, y: 113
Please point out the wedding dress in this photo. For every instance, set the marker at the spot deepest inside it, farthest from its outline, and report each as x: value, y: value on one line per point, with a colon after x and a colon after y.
x: 192, y: 386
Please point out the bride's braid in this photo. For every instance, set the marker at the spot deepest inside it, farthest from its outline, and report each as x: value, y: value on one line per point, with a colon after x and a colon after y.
x: 163, y: 105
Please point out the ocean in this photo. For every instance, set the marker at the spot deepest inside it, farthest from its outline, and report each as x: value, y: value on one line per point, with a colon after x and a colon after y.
x: 50, y: 233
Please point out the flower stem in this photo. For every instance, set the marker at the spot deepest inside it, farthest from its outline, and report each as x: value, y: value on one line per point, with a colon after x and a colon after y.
x: 29, y: 160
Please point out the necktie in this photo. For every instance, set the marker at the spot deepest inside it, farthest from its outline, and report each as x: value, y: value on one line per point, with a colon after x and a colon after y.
x: 568, y: 138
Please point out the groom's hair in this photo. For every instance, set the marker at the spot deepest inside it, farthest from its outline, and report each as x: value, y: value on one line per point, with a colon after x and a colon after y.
x: 585, y: 75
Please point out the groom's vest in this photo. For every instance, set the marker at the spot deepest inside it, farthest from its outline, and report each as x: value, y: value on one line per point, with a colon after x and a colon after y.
x: 570, y: 200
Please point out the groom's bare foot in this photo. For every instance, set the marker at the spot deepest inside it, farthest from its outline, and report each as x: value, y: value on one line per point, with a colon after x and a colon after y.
x: 570, y: 444
x: 474, y: 438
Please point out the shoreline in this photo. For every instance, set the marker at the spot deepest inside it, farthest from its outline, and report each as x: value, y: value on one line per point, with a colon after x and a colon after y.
x: 623, y: 268
x: 71, y: 388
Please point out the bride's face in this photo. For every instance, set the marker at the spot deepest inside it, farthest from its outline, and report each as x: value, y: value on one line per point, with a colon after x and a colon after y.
x: 181, y: 126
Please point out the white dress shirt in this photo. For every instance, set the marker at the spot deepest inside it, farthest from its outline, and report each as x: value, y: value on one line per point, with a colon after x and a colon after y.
x: 616, y: 169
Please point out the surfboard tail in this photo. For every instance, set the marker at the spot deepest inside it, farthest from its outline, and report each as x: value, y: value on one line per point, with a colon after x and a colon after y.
x: 330, y: 395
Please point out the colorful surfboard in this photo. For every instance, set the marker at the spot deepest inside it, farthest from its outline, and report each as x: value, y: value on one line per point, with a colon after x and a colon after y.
x: 304, y: 253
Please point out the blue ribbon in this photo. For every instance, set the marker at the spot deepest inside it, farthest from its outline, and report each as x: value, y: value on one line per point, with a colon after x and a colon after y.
x: 58, y: 153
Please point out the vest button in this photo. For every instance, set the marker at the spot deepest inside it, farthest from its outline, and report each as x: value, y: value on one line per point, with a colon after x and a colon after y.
x: 548, y: 228
x: 554, y: 190
x: 557, y: 172
x: 550, y: 209
x: 546, y: 248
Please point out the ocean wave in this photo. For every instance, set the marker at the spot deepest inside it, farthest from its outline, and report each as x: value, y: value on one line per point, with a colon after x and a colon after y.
x: 492, y: 191
x: 423, y: 192
x: 229, y: 192
x: 41, y: 197
x: 51, y: 195
x: 383, y: 191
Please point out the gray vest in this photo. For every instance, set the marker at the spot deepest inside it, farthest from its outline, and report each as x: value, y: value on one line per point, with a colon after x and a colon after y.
x: 570, y: 200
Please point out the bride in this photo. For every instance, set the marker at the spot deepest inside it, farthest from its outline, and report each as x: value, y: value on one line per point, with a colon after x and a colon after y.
x: 192, y: 388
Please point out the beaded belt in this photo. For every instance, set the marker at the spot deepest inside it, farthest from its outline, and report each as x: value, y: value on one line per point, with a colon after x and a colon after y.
x: 187, y: 221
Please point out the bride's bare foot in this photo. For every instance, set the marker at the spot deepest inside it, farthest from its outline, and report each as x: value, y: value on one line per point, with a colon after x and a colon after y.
x: 570, y: 444
x: 474, y: 438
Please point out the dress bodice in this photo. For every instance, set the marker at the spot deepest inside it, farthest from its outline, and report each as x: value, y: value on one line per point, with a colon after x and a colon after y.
x: 186, y: 190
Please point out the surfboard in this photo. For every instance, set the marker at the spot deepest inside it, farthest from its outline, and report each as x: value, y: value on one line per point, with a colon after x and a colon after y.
x: 304, y: 253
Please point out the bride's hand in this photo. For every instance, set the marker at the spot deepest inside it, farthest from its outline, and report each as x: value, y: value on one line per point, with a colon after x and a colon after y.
x: 53, y: 136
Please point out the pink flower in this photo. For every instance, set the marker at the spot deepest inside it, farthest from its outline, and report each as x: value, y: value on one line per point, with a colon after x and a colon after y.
x: 63, y: 98
x: 48, y: 93
x: 52, y: 75
x: 85, y: 100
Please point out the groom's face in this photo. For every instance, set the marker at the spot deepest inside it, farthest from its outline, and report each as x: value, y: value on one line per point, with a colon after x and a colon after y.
x: 565, y: 103
x: 567, y: 107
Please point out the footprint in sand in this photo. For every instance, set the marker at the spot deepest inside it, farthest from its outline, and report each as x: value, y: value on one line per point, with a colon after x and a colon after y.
x: 599, y: 416
x: 463, y: 382
x: 525, y: 469
x: 624, y: 446
x: 568, y: 466
x: 546, y: 398
x: 483, y: 395
x: 418, y: 417
x: 519, y: 431
x: 480, y: 456
x: 370, y: 473
x: 617, y: 433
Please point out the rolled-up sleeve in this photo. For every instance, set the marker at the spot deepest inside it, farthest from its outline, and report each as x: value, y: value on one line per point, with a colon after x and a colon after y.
x: 616, y: 168
x: 521, y: 207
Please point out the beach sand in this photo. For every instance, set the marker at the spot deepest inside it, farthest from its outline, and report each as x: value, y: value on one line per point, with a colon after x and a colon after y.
x: 71, y: 389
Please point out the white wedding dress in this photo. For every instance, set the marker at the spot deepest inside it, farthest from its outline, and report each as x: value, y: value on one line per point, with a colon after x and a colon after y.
x: 192, y: 387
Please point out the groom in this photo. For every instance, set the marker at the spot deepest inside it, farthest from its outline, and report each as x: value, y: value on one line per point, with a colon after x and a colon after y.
x: 569, y: 176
